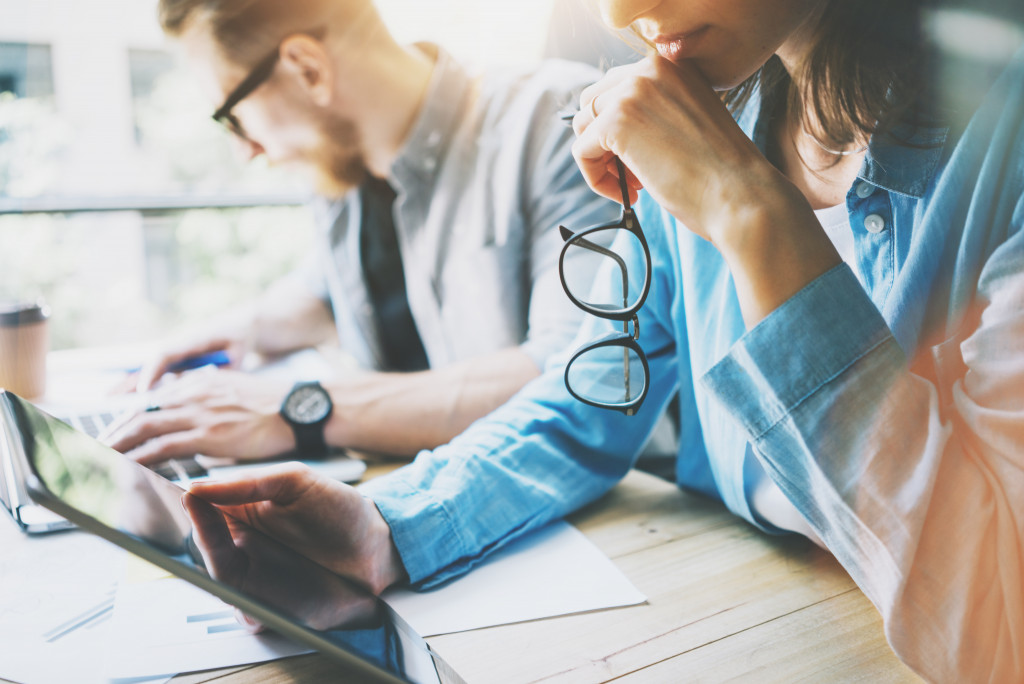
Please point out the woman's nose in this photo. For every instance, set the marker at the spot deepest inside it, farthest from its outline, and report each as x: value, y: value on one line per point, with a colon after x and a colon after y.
x: 619, y: 14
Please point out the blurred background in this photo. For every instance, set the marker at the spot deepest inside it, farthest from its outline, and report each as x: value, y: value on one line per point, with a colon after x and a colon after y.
x: 123, y: 205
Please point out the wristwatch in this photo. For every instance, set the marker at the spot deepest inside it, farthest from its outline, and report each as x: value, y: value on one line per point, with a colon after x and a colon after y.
x: 306, y: 409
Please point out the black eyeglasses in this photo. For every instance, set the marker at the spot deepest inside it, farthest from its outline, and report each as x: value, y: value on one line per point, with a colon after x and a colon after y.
x: 260, y: 73
x: 592, y: 374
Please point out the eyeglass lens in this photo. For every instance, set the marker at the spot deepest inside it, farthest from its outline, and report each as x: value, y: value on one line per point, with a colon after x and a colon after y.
x: 611, y: 375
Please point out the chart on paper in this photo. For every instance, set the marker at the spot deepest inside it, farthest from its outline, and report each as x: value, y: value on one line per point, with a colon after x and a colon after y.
x: 164, y: 624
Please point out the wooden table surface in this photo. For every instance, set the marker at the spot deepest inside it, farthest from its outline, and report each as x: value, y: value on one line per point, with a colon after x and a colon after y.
x: 725, y: 602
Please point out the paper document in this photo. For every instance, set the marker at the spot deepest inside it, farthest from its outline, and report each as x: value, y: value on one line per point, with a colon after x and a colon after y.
x: 56, y: 600
x: 168, y: 625
x: 553, y: 571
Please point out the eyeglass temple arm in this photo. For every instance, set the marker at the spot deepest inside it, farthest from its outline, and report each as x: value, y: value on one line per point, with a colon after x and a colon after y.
x: 259, y: 74
x: 623, y: 187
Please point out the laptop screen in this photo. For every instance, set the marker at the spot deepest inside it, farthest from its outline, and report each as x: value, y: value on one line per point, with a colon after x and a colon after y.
x: 110, y: 495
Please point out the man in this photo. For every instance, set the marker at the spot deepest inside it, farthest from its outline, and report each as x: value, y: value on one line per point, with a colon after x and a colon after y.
x: 438, y: 248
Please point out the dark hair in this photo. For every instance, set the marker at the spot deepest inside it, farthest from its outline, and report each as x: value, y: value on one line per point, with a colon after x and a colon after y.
x: 868, y: 69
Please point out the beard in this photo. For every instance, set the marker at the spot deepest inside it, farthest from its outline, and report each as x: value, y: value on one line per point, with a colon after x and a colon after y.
x: 337, y: 164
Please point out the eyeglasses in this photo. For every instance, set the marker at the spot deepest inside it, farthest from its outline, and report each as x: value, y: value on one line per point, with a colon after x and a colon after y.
x: 592, y: 374
x: 260, y: 73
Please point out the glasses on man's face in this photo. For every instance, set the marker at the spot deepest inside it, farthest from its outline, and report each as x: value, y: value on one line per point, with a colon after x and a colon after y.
x: 610, y: 372
x: 254, y: 80
x: 260, y: 73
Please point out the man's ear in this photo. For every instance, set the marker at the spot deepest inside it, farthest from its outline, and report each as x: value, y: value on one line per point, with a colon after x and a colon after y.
x: 307, y: 60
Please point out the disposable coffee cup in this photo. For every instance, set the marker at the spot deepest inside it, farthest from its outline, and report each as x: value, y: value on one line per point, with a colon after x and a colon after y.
x: 24, y: 343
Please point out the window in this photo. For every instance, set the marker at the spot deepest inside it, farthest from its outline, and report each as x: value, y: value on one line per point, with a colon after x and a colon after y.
x: 146, y: 68
x: 25, y: 70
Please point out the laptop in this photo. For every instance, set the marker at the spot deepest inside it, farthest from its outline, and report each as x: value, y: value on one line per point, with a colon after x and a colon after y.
x: 30, y: 517
x: 35, y: 519
x: 106, y: 494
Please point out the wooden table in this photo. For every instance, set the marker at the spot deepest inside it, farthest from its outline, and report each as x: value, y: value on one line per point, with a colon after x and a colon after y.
x: 725, y: 602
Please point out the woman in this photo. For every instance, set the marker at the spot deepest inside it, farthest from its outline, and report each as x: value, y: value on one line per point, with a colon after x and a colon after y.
x: 884, y: 395
x: 855, y: 375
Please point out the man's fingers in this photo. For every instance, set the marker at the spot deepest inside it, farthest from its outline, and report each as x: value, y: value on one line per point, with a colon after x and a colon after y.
x: 154, y: 370
x: 184, y: 444
x: 138, y: 428
x: 151, y: 372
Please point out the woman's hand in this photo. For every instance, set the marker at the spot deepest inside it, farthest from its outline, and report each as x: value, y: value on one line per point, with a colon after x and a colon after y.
x: 324, y: 520
x: 676, y: 138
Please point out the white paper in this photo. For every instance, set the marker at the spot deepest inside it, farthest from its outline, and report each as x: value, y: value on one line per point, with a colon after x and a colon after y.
x: 168, y: 625
x: 56, y: 599
x: 553, y: 571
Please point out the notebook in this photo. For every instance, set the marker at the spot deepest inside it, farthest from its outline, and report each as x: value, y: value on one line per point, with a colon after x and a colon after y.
x: 106, y: 494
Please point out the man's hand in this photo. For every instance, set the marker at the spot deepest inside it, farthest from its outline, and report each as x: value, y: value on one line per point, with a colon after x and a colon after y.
x: 219, y: 413
x: 232, y: 340
x: 327, y: 521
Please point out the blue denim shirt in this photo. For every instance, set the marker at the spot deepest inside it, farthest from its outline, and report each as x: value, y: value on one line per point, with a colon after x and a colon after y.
x: 889, y: 410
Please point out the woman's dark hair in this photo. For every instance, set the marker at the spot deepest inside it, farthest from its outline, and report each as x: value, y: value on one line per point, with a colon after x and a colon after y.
x: 867, y: 70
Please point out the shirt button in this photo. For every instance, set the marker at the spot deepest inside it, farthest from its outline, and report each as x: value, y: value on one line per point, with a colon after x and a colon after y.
x: 864, y: 190
x: 874, y: 224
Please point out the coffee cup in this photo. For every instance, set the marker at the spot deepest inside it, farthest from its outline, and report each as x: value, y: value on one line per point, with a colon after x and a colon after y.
x: 24, y: 343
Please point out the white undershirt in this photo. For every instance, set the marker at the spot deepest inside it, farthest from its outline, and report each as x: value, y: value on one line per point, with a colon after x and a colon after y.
x: 836, y: 222
x: 768, y: 501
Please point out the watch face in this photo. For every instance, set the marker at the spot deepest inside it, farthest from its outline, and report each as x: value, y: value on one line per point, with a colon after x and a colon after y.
x: 307, y: 404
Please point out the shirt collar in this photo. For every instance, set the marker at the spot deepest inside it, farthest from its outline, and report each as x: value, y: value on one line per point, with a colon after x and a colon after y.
x: 902, y: 161
x: 435, y: 124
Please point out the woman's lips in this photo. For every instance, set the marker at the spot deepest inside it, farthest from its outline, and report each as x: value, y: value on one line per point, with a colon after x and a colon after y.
x: 679, y: 46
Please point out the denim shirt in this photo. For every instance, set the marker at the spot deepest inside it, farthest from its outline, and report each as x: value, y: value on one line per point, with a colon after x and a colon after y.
x: 888, y: 410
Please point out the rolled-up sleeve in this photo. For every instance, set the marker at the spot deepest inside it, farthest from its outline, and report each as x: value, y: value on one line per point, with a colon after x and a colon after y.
x: 910, y: 470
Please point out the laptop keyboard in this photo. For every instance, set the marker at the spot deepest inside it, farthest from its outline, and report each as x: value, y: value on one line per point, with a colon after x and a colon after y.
x: 93, y: 424
x: 184, y: 470
x: 90, y: 424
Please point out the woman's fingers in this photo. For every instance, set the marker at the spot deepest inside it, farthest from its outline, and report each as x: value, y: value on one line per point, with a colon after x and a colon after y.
x: 281, y: 484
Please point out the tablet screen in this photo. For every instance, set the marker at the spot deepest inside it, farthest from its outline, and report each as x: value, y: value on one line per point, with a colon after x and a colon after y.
x: 113, y: 496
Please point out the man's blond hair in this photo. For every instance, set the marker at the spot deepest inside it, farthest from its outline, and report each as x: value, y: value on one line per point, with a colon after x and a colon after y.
x: 246, y: 30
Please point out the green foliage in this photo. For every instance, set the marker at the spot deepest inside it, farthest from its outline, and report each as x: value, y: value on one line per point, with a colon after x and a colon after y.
x: 32, y: 137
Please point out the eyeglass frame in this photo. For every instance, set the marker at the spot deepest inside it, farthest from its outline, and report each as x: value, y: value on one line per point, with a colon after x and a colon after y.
x: 629, y: 222
x: 257, y: 77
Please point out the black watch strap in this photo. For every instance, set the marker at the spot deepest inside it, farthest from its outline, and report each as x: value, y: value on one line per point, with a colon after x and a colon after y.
x: 310, y: 440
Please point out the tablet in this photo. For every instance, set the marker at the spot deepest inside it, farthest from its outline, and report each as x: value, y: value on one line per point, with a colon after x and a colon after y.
x: 113, y: 497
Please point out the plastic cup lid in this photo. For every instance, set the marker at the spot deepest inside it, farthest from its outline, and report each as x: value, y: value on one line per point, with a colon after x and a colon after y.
x: 22, y: 313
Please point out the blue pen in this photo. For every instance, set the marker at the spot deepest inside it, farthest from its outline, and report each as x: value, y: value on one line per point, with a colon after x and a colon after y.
x: 215, y: 358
